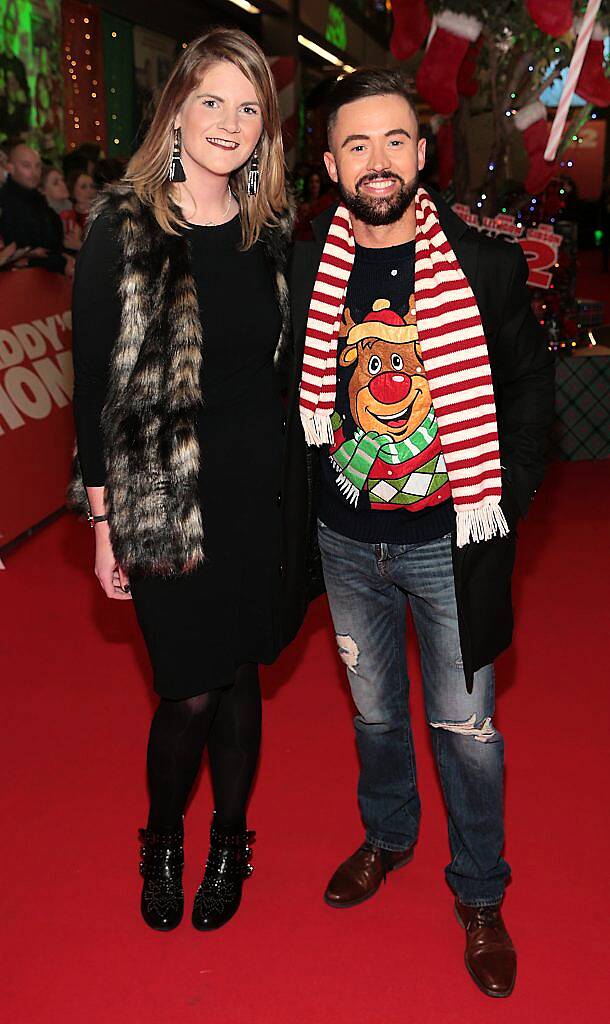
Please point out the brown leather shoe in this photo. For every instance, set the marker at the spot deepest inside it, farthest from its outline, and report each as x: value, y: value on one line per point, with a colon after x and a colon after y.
x: 490, y: 955
x: 360, y: 876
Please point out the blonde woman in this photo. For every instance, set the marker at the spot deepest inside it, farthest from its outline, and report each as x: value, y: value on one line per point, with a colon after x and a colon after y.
x: 196, y: 486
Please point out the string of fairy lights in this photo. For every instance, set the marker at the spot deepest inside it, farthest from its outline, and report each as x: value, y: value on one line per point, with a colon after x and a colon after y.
x: 99, y: 88
x: 83, y: 80
x: 532, y: 202
x: 559, y: 313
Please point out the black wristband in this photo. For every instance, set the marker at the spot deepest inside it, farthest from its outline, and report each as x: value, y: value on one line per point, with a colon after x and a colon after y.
x: 92, y: 520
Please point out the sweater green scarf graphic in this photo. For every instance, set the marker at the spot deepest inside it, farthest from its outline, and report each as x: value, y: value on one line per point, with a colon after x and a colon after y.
x: 355, y: 458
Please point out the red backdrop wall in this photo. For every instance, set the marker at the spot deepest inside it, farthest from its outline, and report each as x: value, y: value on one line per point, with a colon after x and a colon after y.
x: 36, y: 377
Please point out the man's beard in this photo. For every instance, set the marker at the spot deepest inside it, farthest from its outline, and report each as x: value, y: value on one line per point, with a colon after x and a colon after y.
x: 378, y: 210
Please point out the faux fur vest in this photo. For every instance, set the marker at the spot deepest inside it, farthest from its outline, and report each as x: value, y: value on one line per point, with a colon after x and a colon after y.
x: 149, y: 421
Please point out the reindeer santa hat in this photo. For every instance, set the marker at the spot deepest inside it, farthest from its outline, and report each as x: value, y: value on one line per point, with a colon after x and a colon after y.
x: 455, y: 359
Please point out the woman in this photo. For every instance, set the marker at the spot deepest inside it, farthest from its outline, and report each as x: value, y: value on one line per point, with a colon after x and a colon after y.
x: 197, y: 488
x: 315, y: 201
x: 82, y: 192
x: 54, y: 189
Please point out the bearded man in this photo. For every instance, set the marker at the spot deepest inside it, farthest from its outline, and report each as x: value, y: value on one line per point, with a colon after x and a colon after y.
x: 426, y: 395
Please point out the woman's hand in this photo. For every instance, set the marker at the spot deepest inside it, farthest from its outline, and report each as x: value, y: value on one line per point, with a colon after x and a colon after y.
x: 113, y: 580
x: 73, y: 237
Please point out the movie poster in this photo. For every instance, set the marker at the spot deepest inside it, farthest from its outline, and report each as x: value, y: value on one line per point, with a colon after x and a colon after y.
x: 31, y: 89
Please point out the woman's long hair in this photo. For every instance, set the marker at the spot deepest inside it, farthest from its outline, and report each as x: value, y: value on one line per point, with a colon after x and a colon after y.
x: 148, y: 169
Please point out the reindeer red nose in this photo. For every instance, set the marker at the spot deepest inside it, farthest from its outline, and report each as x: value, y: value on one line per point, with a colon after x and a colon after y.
x: 389, y: 388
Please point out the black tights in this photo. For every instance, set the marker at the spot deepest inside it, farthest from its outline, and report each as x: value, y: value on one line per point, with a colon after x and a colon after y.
x: 229, y: 720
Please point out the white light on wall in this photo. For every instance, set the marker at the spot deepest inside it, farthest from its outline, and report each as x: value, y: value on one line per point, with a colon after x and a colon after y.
x: 319, y: 50
x: 245, y: 6
x: 325, y: 54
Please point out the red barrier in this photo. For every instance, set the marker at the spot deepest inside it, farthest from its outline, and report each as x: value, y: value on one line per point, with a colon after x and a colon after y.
x: 36, y: 376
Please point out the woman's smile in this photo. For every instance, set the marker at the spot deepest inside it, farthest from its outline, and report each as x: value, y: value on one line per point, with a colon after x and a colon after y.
x: 222, y: 143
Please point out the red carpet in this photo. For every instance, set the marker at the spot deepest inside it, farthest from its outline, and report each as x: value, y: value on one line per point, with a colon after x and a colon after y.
x: 78, y: 709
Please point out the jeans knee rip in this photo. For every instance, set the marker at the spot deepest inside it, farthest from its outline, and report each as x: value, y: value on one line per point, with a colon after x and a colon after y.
x: 348, y: 651
x: 484, y: 732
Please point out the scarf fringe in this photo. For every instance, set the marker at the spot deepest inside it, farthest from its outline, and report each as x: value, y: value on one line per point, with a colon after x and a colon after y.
x: 317, y: 428
x: 480, y: 524
x: 349, y: 490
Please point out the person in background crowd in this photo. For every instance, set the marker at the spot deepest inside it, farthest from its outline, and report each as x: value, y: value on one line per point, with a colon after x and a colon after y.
x: 424, y: 469
x: 187, y: 256
x: 107, y: 171
x: 82, y: 192
x: 315, y: 200
x: 55, y: 190
x: 25, y: 216
x: 83, y: 158
x: 14, y: 88
x: 3, y: 163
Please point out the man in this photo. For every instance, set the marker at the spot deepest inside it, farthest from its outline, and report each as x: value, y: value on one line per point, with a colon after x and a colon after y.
x: 25, y: 216
x: 420, y: 351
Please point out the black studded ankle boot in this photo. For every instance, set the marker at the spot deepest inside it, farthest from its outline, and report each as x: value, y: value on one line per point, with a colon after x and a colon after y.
x: 219, y: 895
x: 161, y: 868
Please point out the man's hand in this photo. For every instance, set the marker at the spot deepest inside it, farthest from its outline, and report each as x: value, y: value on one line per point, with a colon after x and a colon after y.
x: 6, y: 252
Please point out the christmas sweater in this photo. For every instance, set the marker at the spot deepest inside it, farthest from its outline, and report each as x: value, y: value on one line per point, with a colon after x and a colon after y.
x: 383, y: 478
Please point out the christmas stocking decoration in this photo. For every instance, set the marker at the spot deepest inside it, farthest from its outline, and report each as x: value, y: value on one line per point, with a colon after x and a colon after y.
x: 467, y: 84
x: 411, y: 26
x: 531, y: 120
x: 437, y: 76
x: 592, y: 83
x: 552, y: 16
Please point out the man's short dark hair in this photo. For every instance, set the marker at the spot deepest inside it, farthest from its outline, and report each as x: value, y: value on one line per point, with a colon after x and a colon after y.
x: 367, y: 82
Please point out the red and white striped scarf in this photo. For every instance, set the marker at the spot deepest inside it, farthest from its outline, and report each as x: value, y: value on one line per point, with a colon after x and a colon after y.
x: 455, y: 358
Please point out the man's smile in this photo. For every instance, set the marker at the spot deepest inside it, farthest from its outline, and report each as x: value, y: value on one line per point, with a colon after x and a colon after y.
x: 379, y: 186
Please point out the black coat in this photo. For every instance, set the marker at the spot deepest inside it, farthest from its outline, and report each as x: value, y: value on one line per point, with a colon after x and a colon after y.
x: 27, y: 219
x: 523, y: 380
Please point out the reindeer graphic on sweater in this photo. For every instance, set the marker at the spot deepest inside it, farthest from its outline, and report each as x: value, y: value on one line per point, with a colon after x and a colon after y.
x: 395, y: 453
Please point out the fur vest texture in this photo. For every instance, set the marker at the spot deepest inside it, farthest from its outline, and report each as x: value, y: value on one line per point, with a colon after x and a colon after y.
x: 149, y: 422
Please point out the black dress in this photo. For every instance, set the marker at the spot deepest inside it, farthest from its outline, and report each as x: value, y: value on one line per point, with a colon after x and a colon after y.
x: 200, y: 626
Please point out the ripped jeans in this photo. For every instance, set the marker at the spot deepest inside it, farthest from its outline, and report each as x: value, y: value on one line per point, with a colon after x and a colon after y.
x: 368, y: 588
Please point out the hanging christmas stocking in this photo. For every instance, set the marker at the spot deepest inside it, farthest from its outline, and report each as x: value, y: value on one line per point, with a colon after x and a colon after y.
x: 467, y: 84
x: 592, y: 83
x: 411, y: 26
x: 552, y: 16
x: 437, y: 76
x: 531, y: 120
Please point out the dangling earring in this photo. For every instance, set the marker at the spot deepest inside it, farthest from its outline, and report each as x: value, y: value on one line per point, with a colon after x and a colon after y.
x: 253, y: 175
x: 176, y: 168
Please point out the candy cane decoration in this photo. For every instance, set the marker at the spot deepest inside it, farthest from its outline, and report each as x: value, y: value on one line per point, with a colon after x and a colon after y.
x: 573, y: 74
